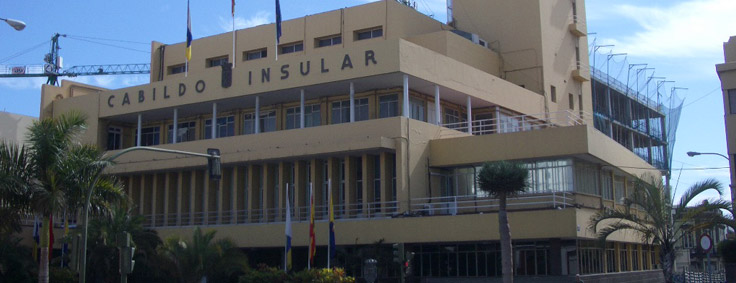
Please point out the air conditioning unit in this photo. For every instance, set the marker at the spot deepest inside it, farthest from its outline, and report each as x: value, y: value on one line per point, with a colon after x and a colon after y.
x: 477, y: 40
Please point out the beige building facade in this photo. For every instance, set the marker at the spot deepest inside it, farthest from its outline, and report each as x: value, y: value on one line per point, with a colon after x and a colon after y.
x: 395, y: 112
x: 727, y: 74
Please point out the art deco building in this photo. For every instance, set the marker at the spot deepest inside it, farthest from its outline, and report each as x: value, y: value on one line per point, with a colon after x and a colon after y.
x: 396, y: 111
x: 727, y: 74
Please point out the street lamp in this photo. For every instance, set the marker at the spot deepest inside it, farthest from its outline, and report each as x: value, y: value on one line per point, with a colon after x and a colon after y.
x: 695, y: 153
x: 212, y: 155
x: 16, y: 24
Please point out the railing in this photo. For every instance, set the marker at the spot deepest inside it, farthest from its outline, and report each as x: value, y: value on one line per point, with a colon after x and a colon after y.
x: 701, y: 277
x: 28, y: 219
x: 468, y: 204
x: 623, y: 89
x: 452, y: 205
x: 521, y: 123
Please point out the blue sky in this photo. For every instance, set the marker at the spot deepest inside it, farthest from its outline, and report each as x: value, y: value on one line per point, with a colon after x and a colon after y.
x: 683, y: 40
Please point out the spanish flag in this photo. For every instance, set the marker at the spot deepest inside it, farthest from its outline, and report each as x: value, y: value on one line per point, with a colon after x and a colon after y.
x: 189, y: 34
x: 287, y: 265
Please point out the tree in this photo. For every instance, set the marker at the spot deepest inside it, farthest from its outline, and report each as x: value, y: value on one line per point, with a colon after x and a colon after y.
x: 47, y: 177
x: 504, y: 179
x: 650, y: 212
x: 203, y: 259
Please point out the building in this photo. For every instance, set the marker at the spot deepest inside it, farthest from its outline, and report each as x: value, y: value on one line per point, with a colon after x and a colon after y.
x: 394, y: 111
x: 13, y: 127
x: 691, y: 257
x: 727, y: 74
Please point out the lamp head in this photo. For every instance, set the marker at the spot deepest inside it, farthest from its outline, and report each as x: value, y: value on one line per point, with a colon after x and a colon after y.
x: 16, y: 24
x: 692, y: 153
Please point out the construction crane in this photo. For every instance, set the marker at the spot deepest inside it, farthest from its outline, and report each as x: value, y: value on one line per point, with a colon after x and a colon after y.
x: 52, y: 68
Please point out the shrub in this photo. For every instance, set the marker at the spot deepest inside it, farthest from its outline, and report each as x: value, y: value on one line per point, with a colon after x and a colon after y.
x: 727, y: 250
x: 271, y: 274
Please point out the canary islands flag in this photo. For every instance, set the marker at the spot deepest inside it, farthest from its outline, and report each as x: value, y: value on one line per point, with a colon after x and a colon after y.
x: 189, y: 34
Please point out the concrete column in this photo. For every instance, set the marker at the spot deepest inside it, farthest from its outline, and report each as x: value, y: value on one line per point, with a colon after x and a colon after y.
x: 268, y: 192
x: 254, y: 195
x: 300, y: 186
x: 406, y: 96
x: 175, y: 126
x: 234, y: 185
x: 437, y: 107
x: 386, y: 182
x: 403, y: 193
x: 469, y: 107
x: 352, y: 103
x: 257, y: 118
x: 368, y: 176
x: 138, y: 130
x: 213, y: 129
x: 179, y: 199
x: 219, y: 197
x: 192, y: 196
x: 333, y: 174
x: 141, y: 195
x: 206, y: 200
x: 350, y: 185
x: 284, y: 178
x: 498, y: 119
x: 167, y: 184
x: 316, y: 173
x: 154, y: 199
x: 301, y: 108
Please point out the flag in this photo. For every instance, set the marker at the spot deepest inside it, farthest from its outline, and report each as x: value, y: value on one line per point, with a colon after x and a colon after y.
x: 189, y: 35
x: 36, y: 237
x: 278, y: 22
x: 312, y: 244
x: 332, y: 224
x: 233, y: 8
x: 287, y: 266
x: 278, y: 29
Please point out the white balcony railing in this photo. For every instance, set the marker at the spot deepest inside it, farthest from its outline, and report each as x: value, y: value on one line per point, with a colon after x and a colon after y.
x: 521, y: 123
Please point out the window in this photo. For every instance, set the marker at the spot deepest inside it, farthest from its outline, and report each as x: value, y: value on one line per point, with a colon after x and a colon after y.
x: 586, y: 178
x: 328, y: 41
x: 176, y: 69
x: 114, y: 138
x: 249, y: 124
x: 311, y: 116
x: 217, y: 61
x: 291, y: 47
x: 553, y: 93
x: 369, y: 33
x: 184, y: 132
x: 341, y: 112
x: 416, y: 109
x: 732, y: 100
x: 452, y: 117
x: 550, y: 176
x: 255, y: 54
x: 225, y: 127
x: 388, y: 106
x: 268, y: 122
x: 571, y: 101
x: 618, y: 186
x: 361, y: 109
x: 150, y: 136
x: 607, y: 184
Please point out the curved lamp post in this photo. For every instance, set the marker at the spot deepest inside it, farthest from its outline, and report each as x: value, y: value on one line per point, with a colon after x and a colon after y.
x: 695, y: 153
x: 212, y: 155
x: 16, y: 24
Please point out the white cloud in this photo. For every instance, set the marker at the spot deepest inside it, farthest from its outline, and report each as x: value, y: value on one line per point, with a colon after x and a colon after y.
x: 691, y: 29
x: 260, y: 18
x: 23, y: 83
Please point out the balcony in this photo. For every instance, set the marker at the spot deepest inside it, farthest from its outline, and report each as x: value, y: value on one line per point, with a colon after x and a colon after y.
x: 420, y: 207
x: 521, y: 123
x: 577, y: 27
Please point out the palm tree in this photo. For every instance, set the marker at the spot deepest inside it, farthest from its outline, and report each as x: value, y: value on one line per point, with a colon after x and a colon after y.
x: 48, y: 177
x: 203, y: 258
x: 15, y: 193
x: 650, y: 212
x: 504, y: 179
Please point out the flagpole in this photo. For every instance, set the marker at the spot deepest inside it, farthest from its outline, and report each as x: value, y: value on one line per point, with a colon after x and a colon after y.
x: 233, y: 14
x: 309, y: 249
x: 329, y: 212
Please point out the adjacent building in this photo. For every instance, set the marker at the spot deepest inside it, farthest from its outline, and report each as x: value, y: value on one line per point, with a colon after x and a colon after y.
x: 395, y: 112
x: 727, y: 74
